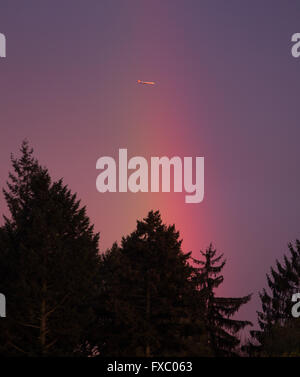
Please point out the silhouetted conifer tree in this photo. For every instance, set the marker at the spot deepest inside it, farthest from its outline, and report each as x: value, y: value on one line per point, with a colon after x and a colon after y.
x: 48, y: 264
x: 148, y: 298
x: 222, y: 328
x: 278, y: 329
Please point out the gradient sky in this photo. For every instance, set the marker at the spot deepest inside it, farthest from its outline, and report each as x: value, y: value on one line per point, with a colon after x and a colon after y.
x: 228, y: 89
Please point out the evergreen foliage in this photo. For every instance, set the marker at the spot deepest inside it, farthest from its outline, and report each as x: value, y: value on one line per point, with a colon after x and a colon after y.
x: 148, y: 296
x: 48, y: 263
x: 278, y: 329
x: 223, y: 330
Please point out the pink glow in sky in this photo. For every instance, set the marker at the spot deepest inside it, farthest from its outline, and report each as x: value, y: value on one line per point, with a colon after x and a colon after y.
x: 228, y: 90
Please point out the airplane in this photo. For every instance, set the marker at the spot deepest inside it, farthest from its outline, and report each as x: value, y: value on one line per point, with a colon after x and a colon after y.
x: 146, y: 82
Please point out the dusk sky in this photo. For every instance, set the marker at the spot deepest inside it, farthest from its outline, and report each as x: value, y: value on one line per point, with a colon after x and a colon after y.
x: 227, y: 89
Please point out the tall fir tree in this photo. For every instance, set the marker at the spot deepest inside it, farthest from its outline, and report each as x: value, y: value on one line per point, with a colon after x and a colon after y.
x: 148, y: 296
x: 222, y: 328
x: 48, y: 264
x: 275, y: 319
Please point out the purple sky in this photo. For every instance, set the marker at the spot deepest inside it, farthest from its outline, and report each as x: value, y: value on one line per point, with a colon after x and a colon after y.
x: 228, y: 90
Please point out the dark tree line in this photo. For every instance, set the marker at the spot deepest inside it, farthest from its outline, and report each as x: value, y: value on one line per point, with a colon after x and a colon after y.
x: 144, y: 297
